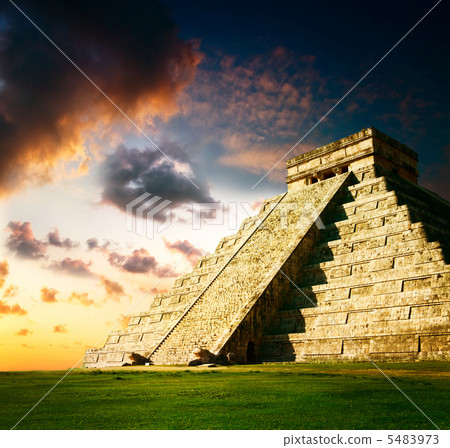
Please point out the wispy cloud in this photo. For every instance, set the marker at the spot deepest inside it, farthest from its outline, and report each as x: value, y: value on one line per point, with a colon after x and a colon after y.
x: 94, y: 244
x: 255, y: 108
x: 139, y: 262
x: 186, y: 248
x: 114, y: 290
x: 82, y: 298
x: 55, y: 240
x: 74, y: 267
x: 23, y: 242
x: 10, y: 291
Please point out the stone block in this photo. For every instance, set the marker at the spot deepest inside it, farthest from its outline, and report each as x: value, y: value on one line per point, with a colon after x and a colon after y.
x: 427, y: 311
x: 340, y: 271
x: 418, y: 283
x: 356, y: 347
x: 381, y: 264
x: 322, y: 347
x: 331, y: 319
x: 91, y: 357
x: 113, y: 339
x: 359, y: 291
x: 134, y: 320
x: 388, y: 287
x: 394, y: 344
x: 435, y: 343
x: 392, y: 313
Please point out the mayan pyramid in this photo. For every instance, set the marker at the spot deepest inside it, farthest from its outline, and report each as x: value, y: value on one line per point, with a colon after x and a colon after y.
x: 350, y: 263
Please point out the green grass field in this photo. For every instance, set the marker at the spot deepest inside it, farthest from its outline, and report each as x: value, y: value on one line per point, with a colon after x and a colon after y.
x: 286, y: 396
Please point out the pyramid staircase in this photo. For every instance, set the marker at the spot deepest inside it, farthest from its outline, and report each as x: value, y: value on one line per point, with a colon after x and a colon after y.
x: 146, y: 330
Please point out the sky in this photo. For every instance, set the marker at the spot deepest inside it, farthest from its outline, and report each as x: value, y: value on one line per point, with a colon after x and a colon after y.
x: 191, y: 103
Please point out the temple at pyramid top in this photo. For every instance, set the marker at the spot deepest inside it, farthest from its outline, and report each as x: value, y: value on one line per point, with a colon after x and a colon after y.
x: 367, y: 147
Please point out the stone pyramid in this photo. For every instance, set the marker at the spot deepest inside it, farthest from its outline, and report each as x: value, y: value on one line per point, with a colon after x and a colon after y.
x: 350, y: 263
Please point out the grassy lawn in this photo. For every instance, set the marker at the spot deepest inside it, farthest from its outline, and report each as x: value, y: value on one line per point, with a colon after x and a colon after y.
x: 285, y: 396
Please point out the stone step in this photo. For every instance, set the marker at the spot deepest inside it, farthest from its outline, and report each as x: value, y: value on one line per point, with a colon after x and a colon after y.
x: 368, y: 187
x: 368, y: 229
x: 389, y: 233
x: 419, y: 213
x: 362, y: 250
x: 361, y: 324
x: 423, y: 295
x: 382, y: 199
x: 351, y: 203
x: 179, y: 296
x: 344, y: 277
x: 420, y: 197
x: 415, y: 252
x: 375, y: 218
x: 356, y: 288
x: 408, y: 345
x: 325, y: 316
x: 347, y: 275
x: 313, y: 321
x: 342, y: 267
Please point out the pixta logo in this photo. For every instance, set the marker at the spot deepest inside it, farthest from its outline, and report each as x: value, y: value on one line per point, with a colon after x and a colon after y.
x: 147, y: 214
x: 150, y: 205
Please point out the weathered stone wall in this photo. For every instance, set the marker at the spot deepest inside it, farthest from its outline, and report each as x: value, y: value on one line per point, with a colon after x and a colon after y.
x: 380, y: 284
x: 365, y: 148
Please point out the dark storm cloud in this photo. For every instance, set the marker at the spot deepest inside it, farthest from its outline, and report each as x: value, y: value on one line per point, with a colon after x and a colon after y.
x: 128, y: 173
x: 22, y: 241
x: 46, y: 106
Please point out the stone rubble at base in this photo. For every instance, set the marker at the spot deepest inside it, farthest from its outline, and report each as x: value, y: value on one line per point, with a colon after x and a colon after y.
x: 373, y: 281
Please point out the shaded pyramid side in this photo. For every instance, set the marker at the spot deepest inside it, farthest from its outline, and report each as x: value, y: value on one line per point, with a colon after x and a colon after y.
x: 376, y: 285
